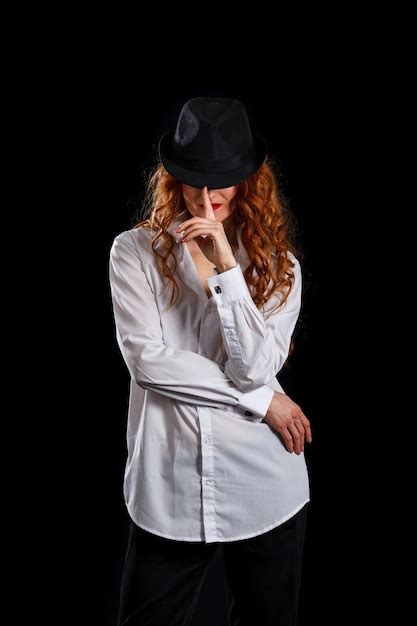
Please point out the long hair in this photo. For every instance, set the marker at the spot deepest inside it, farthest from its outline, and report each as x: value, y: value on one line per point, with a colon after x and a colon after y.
x: 267, y: 233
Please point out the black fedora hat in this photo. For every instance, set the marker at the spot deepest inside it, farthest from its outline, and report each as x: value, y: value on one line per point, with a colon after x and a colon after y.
x: 212, y: 145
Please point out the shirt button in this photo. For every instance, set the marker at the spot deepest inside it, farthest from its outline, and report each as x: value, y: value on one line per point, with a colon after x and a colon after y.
x: 217, y: 289
x: 229, y: 333
x: 207, y: 440
x: 208, y: 482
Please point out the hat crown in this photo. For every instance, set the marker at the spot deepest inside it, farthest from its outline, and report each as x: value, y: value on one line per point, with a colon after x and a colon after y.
x: 215, y: 130
x: 212, y: 144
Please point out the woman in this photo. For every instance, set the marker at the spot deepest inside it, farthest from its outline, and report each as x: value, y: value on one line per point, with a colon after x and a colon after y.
x: 215, y: 447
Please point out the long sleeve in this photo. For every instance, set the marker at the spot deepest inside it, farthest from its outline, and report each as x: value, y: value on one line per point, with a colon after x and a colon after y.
x: 180, y: 374
x: 256, y: 347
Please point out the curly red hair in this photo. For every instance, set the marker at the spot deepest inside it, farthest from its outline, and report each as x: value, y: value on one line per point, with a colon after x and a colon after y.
x: 266, y: 234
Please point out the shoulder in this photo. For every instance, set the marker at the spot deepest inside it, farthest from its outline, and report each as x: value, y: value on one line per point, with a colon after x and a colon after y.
x: 296, y: 263
x: 122, y: 243
x: 138, y: 240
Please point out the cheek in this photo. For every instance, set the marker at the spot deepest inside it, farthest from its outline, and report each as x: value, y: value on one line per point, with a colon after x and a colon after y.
x: 230, y: 194
x: 190, y: 198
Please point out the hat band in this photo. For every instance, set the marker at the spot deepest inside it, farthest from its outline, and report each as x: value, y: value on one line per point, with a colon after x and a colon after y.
x: 225, y: 164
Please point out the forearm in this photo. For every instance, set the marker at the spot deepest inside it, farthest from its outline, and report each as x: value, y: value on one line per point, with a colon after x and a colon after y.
x: 256, y: 347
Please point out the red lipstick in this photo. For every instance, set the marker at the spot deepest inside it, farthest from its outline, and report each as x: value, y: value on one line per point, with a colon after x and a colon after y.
x: 216, y: 206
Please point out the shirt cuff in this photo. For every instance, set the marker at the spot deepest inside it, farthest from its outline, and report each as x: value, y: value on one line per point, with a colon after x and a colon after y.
x: 257, y: 402
x: 228, y: 286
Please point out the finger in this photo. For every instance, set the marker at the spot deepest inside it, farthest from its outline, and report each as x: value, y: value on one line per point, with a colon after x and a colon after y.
x: 208, y: 209
x: 186, y: 227
x: 300, y: 427
x: 307, y: 427
x: 296, y: 438
x: 181, y: 230
x: 288, y: 440
x: 199, y: 230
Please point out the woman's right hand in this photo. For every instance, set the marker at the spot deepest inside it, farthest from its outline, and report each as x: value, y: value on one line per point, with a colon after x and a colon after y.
x: 287, y: 418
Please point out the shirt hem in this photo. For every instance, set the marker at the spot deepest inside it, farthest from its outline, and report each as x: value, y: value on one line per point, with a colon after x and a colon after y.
x: 270, y: 527
x: 222, y: 539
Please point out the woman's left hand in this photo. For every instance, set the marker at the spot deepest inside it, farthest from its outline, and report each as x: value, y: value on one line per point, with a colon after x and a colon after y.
x: 209, y: 234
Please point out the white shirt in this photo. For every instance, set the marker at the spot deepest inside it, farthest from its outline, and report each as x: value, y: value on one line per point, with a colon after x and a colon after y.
x: 201, y: 464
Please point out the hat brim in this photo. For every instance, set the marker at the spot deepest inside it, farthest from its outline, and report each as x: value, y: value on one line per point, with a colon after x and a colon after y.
x: 213, y: 180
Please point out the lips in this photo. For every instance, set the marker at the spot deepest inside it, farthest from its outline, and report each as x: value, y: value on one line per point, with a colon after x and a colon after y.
x: 215, y: 206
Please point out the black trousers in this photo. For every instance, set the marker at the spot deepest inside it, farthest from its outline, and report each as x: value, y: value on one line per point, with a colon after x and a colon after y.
x: 162, y: 578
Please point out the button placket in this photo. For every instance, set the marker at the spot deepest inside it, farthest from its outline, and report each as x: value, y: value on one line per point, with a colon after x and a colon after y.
x: 207, y: 475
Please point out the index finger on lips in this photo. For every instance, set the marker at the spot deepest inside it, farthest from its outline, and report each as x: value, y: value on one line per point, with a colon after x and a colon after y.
x: 208, y: 209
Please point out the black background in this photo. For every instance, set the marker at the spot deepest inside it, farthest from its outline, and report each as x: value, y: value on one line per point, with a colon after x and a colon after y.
x: 118, y: 116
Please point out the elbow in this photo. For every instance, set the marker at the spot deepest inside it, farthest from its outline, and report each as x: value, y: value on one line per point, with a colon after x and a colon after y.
x: 141, y: 368
x: 144, y: 381
x: 139, y: 375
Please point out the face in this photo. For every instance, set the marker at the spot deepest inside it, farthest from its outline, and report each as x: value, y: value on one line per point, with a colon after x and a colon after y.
x: 222, y: 200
